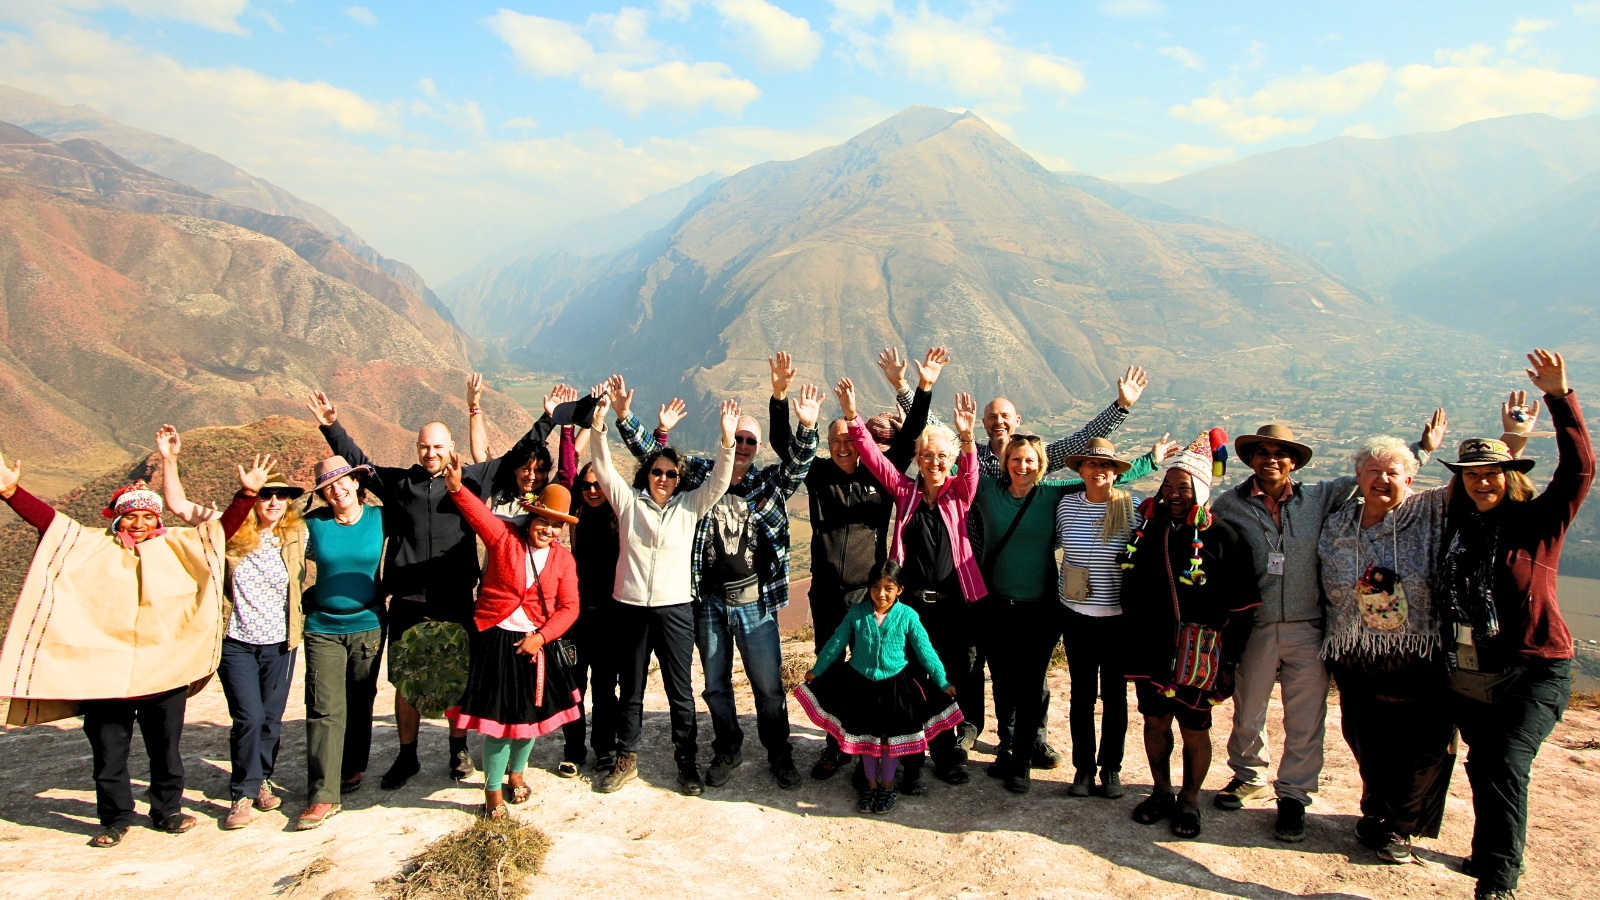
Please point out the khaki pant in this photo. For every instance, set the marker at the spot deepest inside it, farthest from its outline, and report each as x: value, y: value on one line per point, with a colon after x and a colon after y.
x: 1294, y: 647
x: 341, y: 682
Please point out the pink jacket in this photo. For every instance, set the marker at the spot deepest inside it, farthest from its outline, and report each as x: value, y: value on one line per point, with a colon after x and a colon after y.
x: 955, y: 498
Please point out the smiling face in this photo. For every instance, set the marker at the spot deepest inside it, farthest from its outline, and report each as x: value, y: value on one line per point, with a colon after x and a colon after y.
x: 542, y: 532
x: 342, y: 493
x: 1384, y: 482
x: 434, y: 446
x: 1272, y: 462
x: 138, y: 524
x: 1485, y: 486
x: 1000, y: 420
x: 589, y: 490
x: 270, y: 507
x: 662, y: 480
x: 532, y: 476
x: 1022, y: 465
x: 1099, y: 476
x: 1177, y: 489
x: 746, y: 443
x: 840, y: 448
x: 934, y: 458
x: 884, y: 592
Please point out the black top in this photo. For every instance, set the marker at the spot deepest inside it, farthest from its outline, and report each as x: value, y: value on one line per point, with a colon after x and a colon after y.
x: 595, y: 547
x: 930, y: 566
x: 849, y: 520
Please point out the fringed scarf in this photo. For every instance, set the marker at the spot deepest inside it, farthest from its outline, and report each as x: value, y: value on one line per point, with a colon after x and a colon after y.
x: 1406, y: 542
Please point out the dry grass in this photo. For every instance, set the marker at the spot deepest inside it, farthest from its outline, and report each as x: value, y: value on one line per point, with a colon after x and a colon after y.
x: 315, y: 869
x: 1058, y: 658
x: 805, y: 633
x: 1585, y: 700
x: 489, y: 858
x: 795, y: 667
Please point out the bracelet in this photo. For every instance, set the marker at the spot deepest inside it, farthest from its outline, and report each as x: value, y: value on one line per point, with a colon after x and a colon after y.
x: 474, y: 410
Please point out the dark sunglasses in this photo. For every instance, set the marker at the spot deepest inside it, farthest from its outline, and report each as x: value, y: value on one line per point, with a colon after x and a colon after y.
x: 269, y: 493
x: 746, y: 441
x: 664, y: 473
x: 1026, y: 437
x: 591, y: 486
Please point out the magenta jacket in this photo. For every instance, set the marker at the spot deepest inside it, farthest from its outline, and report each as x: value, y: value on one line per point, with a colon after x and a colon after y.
x: 955, y: 498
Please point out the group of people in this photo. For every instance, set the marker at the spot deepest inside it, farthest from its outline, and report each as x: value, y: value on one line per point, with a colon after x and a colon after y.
x: 1433, y: 611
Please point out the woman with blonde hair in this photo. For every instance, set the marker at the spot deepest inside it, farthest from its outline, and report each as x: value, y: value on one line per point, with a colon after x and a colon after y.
x: 266, y: 565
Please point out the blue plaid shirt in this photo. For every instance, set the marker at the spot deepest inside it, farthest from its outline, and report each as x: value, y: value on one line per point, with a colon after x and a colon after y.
x: 766, y: 490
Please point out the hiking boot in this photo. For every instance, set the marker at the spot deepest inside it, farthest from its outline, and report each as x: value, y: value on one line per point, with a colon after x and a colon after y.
x: 267, y: 798
x: 911, y: 781
x: 1397, y: 849
x: 238, y: 815
x: 405, y: 766
x: 1236, y: 793
x: 1018, y: 781
x: 1111, y: 784
x: 625, y: 770
x: 827, y: 765
x: 1002, y: 764
x: 721, y: 768
x: 885, y: 800
x: 966, y: 736
x: 1046, y: 757
x: 787, y: 775
x: 461, y: 767
x: 1082, y: 785
x: 1291, y: 824
x: 689, y: 778
x: 951, y: 773
x: 314, y: 815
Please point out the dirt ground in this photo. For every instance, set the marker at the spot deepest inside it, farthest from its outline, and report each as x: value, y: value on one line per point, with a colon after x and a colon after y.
x: 750, y: 839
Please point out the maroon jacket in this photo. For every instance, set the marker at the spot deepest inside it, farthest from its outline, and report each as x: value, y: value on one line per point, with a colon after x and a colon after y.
x: 1531, y: 535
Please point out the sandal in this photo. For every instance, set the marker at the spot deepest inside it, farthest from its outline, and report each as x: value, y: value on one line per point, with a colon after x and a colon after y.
x: 567, y: 769
x: 109, y: 836
x: 1155, y: 808
x: 516, y: 793
x: 1186, y: 824
x: 177, y: 823
x: 499, y: 812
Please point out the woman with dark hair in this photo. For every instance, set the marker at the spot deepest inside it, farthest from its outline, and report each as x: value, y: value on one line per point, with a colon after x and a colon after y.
x: 1510, y: 650
x: 594, y: 545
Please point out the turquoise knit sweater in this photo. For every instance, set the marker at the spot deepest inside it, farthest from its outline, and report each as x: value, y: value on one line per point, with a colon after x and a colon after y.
x: 879, y: 651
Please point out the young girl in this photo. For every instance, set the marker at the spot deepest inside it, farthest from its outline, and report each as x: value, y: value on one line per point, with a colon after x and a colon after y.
x: 876, y: 707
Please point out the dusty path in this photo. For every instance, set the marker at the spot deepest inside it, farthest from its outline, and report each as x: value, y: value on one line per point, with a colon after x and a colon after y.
x: 751, y: 839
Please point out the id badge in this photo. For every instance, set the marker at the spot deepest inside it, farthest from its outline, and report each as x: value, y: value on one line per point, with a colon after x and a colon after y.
x: 1275, y: 563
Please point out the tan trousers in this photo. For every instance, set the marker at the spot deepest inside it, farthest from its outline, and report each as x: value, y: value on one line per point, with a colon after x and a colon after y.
x: 1292, y: 647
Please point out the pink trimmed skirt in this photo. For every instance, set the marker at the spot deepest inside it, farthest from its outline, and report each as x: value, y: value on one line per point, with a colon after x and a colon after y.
x: 511, y: 696
x: 893, y: 717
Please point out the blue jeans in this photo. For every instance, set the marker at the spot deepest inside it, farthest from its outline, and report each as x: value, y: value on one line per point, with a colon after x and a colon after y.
x: 756, y: 634
x: 255, y: 679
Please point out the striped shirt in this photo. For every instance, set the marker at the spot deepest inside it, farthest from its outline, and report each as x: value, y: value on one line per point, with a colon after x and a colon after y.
x: 1078, y: 524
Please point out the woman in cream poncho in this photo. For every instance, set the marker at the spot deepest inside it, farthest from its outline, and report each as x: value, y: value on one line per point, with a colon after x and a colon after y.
x: 119, y: 626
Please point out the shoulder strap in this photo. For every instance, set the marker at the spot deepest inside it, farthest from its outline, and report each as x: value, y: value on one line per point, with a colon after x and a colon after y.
x: 538, y: 582
x: 1016, y: 520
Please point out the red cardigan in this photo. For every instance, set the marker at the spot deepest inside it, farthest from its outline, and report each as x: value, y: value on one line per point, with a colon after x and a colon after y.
x: 505, y: 586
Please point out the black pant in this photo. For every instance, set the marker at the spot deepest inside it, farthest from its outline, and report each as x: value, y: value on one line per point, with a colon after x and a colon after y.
x: 828, y: 608
x: 1022, y: 634
x: 1399, y: 727
x: 1094, y: 660
x: 1502, y: 740
x: 109, y: 726
x: 595, y: 636
x: 952, y: 626
x: 668, y: 632
x: 255, y: 679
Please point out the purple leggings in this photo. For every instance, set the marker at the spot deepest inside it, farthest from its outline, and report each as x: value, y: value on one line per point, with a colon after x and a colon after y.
x: 881, y: 772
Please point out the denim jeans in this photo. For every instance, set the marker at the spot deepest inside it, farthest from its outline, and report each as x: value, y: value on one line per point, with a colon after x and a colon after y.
x: 756, y: 635
x: 255, y: 679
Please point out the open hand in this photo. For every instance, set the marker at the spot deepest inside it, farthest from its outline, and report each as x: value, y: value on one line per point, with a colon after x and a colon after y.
x: 730, y: 421
x: 621, y: 397
x: 1164, y: 448
x: 670, y: 414
x: 168, y: 444
x: 9, y: 476
x: 322, y: 408
x: 782, y: 366
x: 1433, y: 431
x: 1131, y: 386
x: 808, y: 405
x: 1549, y: 372
x: 474, y: 390
x: 928, y: 370
x: 253, y: 478
x: 966, y: 414
x: 452, y: 473
x: 558, y: 395
x: 894, y: 367
x: 1517, y: 415
x: 600, y: 407
x: 845, y: 390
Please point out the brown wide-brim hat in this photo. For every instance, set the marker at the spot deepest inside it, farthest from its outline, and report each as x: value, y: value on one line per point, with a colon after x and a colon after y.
x: 554, y: 503
x: 336, y: 467
x: 1098, y: 448
x: 1245, y: 444
x: 1476, y: 452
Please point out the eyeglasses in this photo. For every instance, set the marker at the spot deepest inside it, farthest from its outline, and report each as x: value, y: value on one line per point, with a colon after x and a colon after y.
x: 1027, y: 437
x: 934, y: 457
x: 279, y: 493
x: 746, y: 441
x: 668, y: 474
x: 591, y: 486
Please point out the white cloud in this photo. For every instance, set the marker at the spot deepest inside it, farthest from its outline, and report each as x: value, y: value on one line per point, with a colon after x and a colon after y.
x: 216, y: 15
x: 1171, y: 163
x: 778, y: 41
x: 1132, y: 8
x: 1588, y: 12
x: 1466, y: 56
x: 524, y: 123
x: 363, y: 15
x: 1263, y: 115
x: 678, y: 10
x: 620, y: 68
x: 1185, y: 57
x: 1362, y: 130
x: 1530, y: 26
x: 1440, y: 97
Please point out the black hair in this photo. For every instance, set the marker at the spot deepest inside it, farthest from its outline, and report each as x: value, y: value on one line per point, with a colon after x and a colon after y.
x: 888, y: 569
x: 539, y: 452
x: 641, y: 478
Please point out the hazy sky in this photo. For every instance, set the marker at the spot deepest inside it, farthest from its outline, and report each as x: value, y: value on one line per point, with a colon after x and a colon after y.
x: 444, y: 131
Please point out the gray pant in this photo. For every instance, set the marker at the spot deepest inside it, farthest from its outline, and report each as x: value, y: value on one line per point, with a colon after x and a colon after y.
x: 1293, y: 646
x: 341, y: 682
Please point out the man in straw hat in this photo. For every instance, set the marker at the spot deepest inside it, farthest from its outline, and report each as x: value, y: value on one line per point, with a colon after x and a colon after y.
x: 1281, y: 521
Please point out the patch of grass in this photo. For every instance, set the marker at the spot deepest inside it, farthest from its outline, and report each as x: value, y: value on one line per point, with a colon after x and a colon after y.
x: 1058, y: 657
x: 1584, y: 700
x: 489, y: 858
x: 806, y: 633
x: 795, y: 667
x: 315, y: 869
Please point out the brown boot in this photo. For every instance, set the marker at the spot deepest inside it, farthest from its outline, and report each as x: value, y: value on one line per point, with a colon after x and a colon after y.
x: 237, y: 817
x: 315, y: 815
x: 625, y: 770
x: 266, y: 799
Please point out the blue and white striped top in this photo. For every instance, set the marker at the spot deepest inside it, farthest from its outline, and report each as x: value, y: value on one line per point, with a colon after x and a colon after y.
x: 1078, y: 524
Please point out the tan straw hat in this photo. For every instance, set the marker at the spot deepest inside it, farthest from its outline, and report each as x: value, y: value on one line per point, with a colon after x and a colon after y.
x: 1274, y: 433
x: 1098, y: 448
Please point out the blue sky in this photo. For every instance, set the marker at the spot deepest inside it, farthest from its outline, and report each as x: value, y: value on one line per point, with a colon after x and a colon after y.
x: 445, y: 131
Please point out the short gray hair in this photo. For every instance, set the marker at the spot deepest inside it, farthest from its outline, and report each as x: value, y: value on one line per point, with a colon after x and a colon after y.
x: 1388, y: 448
x: 935, y: 433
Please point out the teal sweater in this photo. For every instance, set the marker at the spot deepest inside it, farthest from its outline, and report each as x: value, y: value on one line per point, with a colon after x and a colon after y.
x: 1026, y: 568
x: 345, y: 599
x: 879, y: 651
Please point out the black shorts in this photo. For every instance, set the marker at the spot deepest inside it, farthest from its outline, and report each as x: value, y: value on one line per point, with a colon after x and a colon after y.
x: 406, y: 613
x: 1154, y: 703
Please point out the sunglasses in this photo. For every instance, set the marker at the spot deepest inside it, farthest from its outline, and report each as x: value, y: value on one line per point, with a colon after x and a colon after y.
x: 270, y: 493
x: 591, y: 486
x: 668, y: 474
x: 746, y: 441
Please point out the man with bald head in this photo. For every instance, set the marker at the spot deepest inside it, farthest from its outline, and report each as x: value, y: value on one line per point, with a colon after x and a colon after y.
x: 430, y: 566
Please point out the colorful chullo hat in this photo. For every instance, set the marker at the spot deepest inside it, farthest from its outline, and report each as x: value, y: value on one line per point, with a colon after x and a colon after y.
x: 135, y: 496
x: 1201, y: 461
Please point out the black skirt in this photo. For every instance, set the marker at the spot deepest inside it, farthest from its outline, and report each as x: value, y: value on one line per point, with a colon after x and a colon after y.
x: 511, y: 696
x: 893, y: 717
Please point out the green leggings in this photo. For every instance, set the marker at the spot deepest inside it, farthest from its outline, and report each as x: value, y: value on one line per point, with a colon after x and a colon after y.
x: 501, y: 755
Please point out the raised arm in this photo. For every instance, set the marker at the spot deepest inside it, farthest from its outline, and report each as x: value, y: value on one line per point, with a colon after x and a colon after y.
x: 1130, y: 387
x: 34, y: 511
x: 867, y: 448
x: 488, y: 526
x: 477, y: 428
x: 966, y: 479
x: 1574, y: 473
x: 616, y: 491
x: 701, y: 499
x: 339, y: 440
x: 801, y: 449
x: 903, y: 448
x: 168, y: 446
x: 567, y: 463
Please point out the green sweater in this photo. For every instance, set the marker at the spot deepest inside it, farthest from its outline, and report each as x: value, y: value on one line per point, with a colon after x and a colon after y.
x: 879, y: 651
x: 1026, y: 567
x: 345, y: 599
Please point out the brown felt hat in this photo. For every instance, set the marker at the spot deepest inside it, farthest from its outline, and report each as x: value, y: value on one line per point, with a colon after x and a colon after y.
x: 554, y: 502
x: 1097, y: 448
x: 1275, y: 433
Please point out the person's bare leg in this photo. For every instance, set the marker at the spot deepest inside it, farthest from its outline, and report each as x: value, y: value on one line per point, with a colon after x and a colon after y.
x: 407, y: 721
x: 1196, y: 765
x: 1158, y: 750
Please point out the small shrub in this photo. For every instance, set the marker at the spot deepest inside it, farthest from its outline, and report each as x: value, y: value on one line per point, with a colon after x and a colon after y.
x: 489, y: 858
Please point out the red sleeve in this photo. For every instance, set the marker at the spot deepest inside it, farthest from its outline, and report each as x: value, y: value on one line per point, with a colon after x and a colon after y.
x: 565, y: 568
x: 567, y: 468
x: 489, y: 526
x: 1574, y: 473
x: 233, y: 517
x: 34, y: 511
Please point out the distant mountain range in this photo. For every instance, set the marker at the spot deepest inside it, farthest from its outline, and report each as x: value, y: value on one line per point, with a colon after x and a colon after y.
x: 929, y: 228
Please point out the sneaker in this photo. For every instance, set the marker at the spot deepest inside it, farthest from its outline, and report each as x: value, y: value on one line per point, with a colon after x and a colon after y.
x: 721, y: 768
x: 238, y: 815
x: 966, y: 736
x: 1496, y: 895
x: 267, y: 798
x: 405, y: 766
x: 623, y: 771
x: 1046, y: 757
x: 1001, y: 765
x: 689, y: 779
x: 1397, y: 849
x: 827, y: 765
x: 314, y: 815
x: 912, y: 783
x: 1371, y: 832
x: 1291, y: 824
x: 1236, y: 793
x: 867, y: 801
x: 1082, y: 785
x: 787, y: 775
x: 1019, y: 780
x: 885, y: 801
x: 461, y: 767
x: 1111, y: 785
